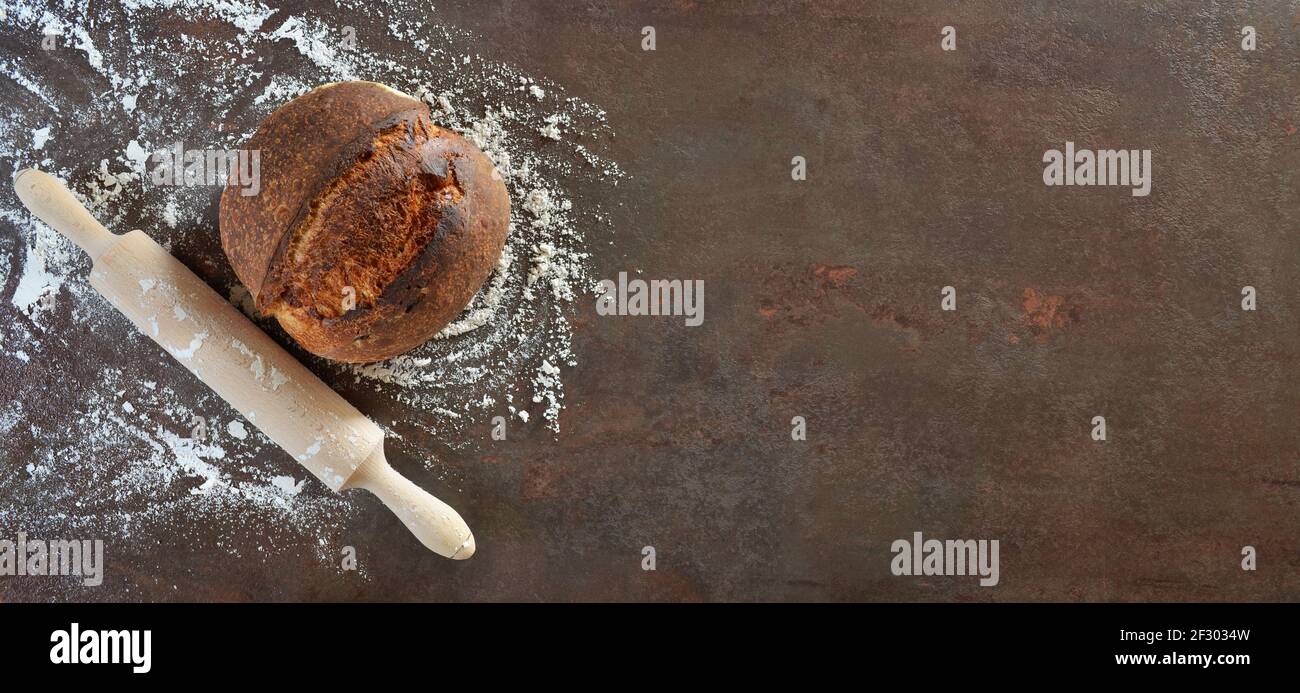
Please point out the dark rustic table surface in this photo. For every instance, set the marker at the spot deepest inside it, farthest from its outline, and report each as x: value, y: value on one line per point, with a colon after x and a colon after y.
x: 823, y: 301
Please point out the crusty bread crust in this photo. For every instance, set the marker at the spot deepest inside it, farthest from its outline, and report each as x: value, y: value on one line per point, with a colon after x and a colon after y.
x: 364, y: 200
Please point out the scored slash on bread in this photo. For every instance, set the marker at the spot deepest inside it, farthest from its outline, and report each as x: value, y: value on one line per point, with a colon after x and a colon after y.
x: 374, y: 227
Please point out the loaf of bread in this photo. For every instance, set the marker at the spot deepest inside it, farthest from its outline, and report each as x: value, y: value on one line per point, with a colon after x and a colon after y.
x: 373, y: 227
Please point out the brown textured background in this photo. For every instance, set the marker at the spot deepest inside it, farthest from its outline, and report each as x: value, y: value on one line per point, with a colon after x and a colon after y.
x: 822, y: 300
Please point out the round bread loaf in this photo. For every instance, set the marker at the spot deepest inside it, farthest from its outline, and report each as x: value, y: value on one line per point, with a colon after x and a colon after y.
x: 373, y: 227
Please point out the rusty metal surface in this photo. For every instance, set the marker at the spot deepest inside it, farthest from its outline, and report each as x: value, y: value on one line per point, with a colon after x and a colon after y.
x: 822, y: 301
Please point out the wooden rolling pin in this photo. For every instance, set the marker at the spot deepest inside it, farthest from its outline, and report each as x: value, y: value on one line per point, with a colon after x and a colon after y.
x: 217, y: 343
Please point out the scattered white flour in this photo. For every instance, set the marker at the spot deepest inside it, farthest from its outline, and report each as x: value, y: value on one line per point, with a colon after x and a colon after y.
x: 40, y: 137
x: 108, y: 186
x: 129, y: 443
x: 551, y: 129
x: 171, y: 215
x: 38, y: 281
x: 287, y: 485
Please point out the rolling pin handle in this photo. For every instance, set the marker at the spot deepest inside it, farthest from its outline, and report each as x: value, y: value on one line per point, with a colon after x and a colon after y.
x: 51, y: 201
x: 433, y: 522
